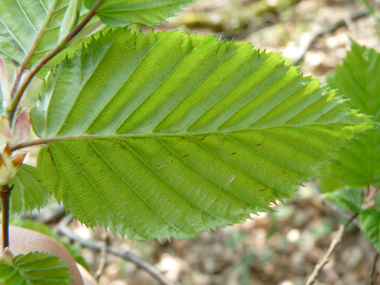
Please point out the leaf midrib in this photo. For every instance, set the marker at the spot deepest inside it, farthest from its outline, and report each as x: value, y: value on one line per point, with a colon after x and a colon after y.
x: 43, y: 141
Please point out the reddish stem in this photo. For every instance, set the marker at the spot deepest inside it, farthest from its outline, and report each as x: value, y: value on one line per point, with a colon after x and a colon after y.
x: 5, y: 195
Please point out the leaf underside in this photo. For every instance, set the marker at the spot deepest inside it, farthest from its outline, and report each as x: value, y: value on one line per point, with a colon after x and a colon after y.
x: 169, y: 134
x: 120, y: 13
x: 359, y: 164
x: 33, y: 269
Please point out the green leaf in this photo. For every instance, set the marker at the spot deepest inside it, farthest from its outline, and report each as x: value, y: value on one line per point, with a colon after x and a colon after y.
x: 34, y: 268
x: 120, y: 13
x: 22, y: 20
x: 28, y: 193
x: 351, y: 198
x: 359, y: 164
x: 328, y: 181
x: 169, y: 134
x: 370, y: 225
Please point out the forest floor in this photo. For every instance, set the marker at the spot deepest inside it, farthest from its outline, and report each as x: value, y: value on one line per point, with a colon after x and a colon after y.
x: 282, y: 247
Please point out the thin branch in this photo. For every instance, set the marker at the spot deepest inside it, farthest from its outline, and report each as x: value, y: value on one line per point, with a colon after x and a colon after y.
x: 51, y: 213
x: 310, y: 39
x: 98, y: 245
x: 102, y: 259
x: 61, y: 46
x: 32, y: 49
x: 5, y: 194
x: 372, y: 276
x: 63, y: 222
x: 334, y: 243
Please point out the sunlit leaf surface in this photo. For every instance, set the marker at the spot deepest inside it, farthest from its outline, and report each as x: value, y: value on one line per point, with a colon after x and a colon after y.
x: 169, y: 134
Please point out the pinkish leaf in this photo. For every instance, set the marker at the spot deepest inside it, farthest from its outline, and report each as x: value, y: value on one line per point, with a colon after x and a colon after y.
x: 21, y: 128
x: 5, y: 132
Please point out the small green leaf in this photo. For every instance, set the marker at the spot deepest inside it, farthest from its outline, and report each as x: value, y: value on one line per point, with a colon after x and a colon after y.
x: 35, y: 268
x: 120, y: 13
x: 370, y: 225
x: 359, y: 164
x: 167, y: 134
x: 28, y: 193
x: 351, y: 198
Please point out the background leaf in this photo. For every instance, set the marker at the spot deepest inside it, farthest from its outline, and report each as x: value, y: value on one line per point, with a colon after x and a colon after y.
x: 120, y: 13
x: 359, y: 164
x: 21, y: 21
x: 34, y: 268
x: 351, y: 198
x: 369, y: 223
x: 169, y: 134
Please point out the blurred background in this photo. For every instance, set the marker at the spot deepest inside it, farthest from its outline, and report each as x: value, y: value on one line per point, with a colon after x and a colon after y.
x: 281, y: 247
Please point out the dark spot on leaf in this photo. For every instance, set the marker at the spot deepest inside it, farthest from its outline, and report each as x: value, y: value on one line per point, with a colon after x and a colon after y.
x: 186, y: 155
x: 259, y: 144
x: 192, y: 207
x: 203, y: 138
x: 233, y: 153
x: 161, y: 168
x: 170, y: 154
x: 263, y: 189
x: 121, y: 145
